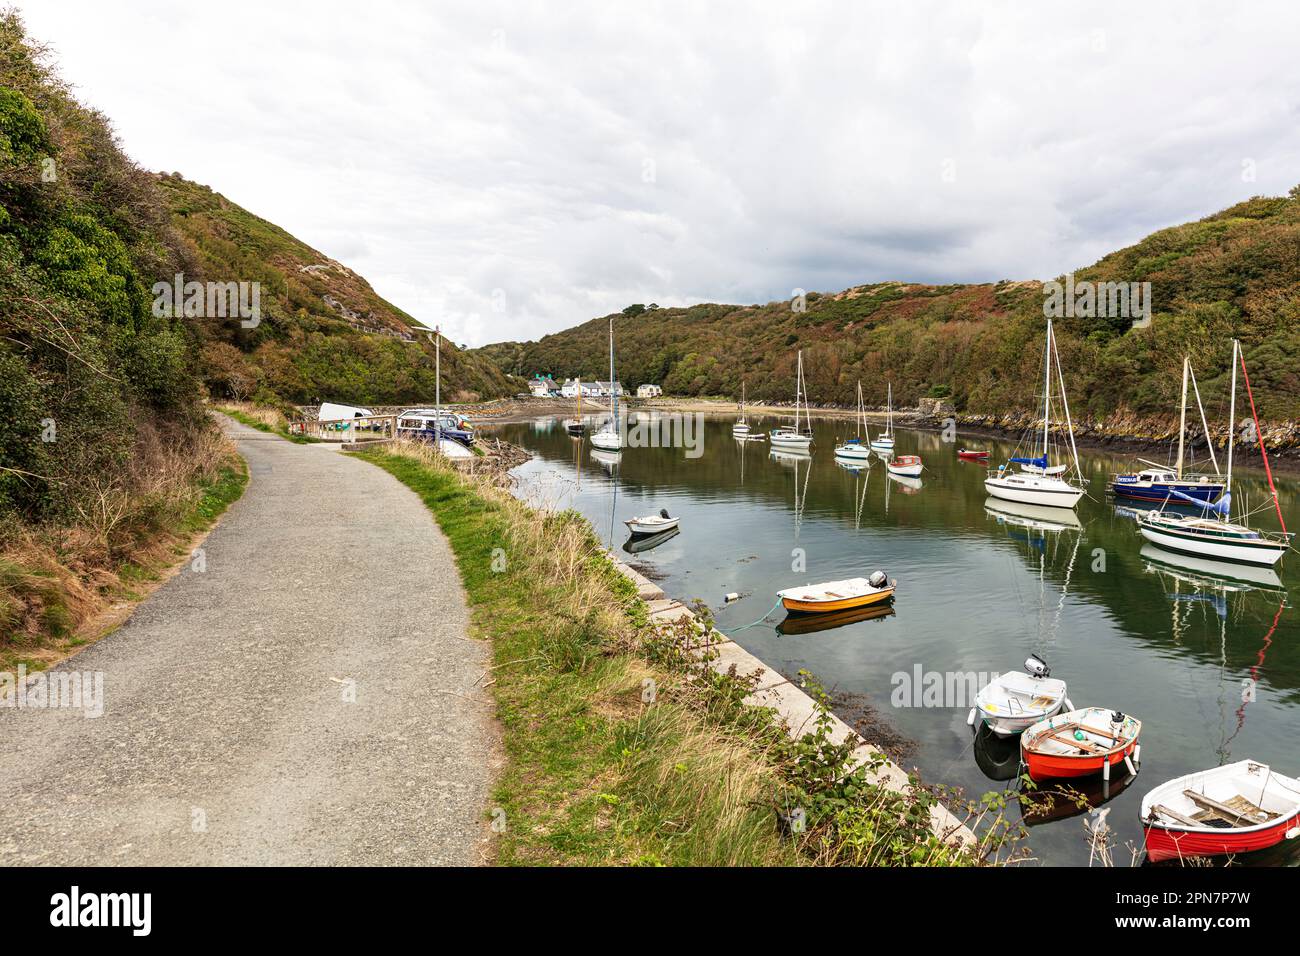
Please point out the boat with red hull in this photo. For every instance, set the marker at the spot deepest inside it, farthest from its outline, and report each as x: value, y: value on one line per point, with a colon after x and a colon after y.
x: 1238, y: 808
x: 967, y: 454
x: 1079, y: 743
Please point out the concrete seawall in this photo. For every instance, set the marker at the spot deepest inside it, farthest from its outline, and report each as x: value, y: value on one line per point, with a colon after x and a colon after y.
x: 796, y: 709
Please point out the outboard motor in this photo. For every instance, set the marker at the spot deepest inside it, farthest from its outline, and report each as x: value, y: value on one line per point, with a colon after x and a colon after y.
x: 1035, y: 666
x: 663, y: 513
x: 878, y: 579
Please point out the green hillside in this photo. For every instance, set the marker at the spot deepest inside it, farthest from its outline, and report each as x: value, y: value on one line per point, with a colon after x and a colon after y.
x: 325, y: 333
x: 1234, y: 273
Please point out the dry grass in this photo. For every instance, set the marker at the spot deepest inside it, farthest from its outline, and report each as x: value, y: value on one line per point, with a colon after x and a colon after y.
x: 595, y: 773
x: 128, y: 529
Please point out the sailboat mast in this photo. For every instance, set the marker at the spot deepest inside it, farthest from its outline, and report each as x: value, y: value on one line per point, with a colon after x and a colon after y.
x: 798, y: 389
x: 437, y: 385
x: 1047, y: 386
x: 1232, y: 416
x: 1182, y: 417
x: 612, y: 390
x: 889, y: 410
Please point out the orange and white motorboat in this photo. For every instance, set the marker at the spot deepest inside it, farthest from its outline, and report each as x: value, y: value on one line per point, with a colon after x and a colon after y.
x: 838, y: 595
x: 1080, y: 743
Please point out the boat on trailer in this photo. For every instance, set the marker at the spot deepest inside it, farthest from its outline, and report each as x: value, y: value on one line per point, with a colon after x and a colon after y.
x: 1016, y: 700
x: 838, y: 595
x: 1080, y: 743
x: 1238, y: 808
x: 1212, y: 534
x: 1039, y: 482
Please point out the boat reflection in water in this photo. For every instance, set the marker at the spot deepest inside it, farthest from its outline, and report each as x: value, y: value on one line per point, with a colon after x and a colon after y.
x: 910, y: 485
x: 997, y: 757
x: 1032, y: 517
x: 1060, y: 800
x: 812, y: 623
x: 608, y: 460
x: 1208, y: 573
x: 638, y: 543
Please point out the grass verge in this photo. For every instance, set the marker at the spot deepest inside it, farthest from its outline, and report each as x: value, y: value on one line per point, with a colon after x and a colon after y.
x: 63, y: 587
x: 623, y: 747
x: 264, y: 419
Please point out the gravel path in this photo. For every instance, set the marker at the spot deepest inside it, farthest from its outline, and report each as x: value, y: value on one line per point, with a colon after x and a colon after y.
x: 311, y: 697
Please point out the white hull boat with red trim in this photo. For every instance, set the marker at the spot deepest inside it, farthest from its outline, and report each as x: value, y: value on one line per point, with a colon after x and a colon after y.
x: 1240, y: 808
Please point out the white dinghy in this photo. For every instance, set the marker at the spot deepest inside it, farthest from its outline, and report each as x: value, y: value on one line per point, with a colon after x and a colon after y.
x: 1016, y: 700
x: 652, y: 524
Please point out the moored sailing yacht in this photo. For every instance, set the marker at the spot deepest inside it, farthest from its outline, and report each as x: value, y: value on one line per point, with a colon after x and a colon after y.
x: 741, y: 430
x: 786, y: 437
x: 884, y: 442
x: 1158, y: 483
x: 1213, y: 534
x: 857, y: 448
x: 1040, y: 483
x: 609, y: 437
x: 576, y: 426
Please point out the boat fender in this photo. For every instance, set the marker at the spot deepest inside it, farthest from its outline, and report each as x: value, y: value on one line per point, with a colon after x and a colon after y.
x: 1131, y: 769
x: 1137, y: 754
x: 733, y: 596
x: 970, y: 718
x: 1069, y: 705
x: 1293, y: 833
x: 1105, y: 770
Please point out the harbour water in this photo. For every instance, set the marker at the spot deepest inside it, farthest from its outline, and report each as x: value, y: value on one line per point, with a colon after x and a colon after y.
x: 1206, y: 656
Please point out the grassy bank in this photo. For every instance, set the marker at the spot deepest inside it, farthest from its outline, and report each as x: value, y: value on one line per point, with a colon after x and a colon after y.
x: 622, y: 746
x: 62, y: 586
x: 264, y: 419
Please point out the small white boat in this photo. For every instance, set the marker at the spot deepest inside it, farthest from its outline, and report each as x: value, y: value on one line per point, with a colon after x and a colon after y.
x: 741, y: 430
x: 1039, y: 482
x: 1238, y: 808
x: 607, y: 439
x: 1213, y: 534
x: 906, y: 466
x: 652, y: 524
x: 838, y: 595
x: 855, y: 449
x: 1013, y: 701
x: 793, y: 437
x: 884, y: 442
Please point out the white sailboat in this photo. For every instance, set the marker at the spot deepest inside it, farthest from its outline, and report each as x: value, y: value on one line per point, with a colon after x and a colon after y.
x: 609, y: 437
x: 1213, y: 534
x: 1040, y: 483
x: 794, y: 438
x: 741, y: 430
x: 884, y: 442
x: 857, y: 448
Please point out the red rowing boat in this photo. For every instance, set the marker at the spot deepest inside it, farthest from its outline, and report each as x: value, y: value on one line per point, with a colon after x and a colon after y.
x: 972, y: 454
x: 1239, y: 808
x: 1079, y: 743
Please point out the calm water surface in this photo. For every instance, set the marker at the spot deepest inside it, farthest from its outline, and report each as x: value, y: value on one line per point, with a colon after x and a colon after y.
x: 980, y: 586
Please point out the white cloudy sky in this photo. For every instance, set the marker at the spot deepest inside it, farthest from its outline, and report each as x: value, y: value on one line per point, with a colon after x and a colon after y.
x: 510, y: 169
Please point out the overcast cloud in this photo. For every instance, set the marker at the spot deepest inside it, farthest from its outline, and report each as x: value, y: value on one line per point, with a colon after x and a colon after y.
x: 511, y: 169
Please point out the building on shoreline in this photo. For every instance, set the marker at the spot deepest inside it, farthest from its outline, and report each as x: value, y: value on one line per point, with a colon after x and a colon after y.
x: 648, y: 391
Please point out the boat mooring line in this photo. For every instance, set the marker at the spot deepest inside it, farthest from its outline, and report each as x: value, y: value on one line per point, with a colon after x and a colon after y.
x: 755, y: 623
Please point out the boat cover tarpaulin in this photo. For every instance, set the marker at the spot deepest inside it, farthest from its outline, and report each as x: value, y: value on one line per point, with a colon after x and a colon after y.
x: 1221, y: 507
x: 1039, y: 462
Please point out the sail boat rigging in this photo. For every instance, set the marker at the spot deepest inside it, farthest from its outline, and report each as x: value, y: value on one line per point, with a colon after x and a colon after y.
x: 857, y: 448
x: 609, y: 437
x: 1213, y: 534
x: 1158, y: 483
x: 1040, y: 483
x: 794, y: 438
x: 884, y: 442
